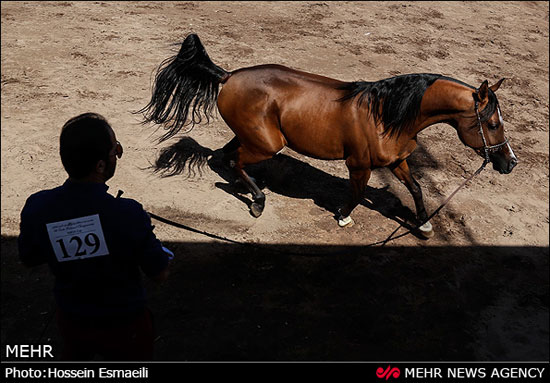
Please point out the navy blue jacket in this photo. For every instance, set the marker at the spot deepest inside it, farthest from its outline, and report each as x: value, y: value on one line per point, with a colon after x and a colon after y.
x: 95, y: 245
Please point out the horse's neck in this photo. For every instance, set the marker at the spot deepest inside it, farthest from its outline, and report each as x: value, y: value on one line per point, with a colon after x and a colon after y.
x: 444, y: 101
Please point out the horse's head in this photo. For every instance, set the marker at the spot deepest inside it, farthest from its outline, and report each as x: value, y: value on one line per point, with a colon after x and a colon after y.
x: 485, y: 131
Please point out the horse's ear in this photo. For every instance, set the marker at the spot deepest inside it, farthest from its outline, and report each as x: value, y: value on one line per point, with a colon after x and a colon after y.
x: 483, y: 91
x: 495, y: 87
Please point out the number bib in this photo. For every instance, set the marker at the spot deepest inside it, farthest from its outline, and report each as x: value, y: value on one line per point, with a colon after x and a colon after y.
x: 78, y: 238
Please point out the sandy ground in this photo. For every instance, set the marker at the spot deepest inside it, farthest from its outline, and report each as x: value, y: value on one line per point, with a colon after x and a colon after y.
x: 60, y: 59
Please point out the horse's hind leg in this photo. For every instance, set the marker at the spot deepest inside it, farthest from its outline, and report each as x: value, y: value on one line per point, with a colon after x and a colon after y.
x: 256, y: 207
x: 229, y: 160
x: 403, y: 173
x: 229, y: 149
x: 242, y: 157
x: 258, y: 136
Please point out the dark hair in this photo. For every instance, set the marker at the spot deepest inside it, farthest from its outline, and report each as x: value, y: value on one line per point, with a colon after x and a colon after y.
x: 185, y: 89
x: 394, y: 102
x: 84, y: 140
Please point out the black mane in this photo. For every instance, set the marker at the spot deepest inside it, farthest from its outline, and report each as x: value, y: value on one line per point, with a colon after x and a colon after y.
x: 395, y: 102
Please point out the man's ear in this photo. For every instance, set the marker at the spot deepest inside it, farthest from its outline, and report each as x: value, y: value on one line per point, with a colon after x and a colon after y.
x: 100, y: 166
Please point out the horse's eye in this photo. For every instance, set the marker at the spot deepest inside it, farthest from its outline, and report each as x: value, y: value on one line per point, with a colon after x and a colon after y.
x: 493, y: 126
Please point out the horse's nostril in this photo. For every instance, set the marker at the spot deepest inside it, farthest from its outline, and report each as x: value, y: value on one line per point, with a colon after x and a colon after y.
x: 513, y: 162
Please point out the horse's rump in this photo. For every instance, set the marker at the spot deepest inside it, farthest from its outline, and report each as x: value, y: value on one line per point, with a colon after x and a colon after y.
x: 304, y: 107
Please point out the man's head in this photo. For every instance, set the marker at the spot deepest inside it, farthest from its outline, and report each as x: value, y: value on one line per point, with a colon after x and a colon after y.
x: 88, y: 148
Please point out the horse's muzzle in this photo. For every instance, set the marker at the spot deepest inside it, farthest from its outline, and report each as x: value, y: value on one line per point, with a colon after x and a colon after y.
x: 503, y: 164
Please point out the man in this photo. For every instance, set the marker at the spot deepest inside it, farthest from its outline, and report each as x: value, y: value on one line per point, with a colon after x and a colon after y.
x: 95, y: 245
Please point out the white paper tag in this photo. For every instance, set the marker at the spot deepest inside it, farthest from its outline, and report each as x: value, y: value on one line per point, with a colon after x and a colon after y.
x: 78, y: 238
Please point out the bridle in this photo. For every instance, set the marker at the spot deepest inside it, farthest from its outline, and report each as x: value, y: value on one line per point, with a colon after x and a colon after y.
x: 487, y: 150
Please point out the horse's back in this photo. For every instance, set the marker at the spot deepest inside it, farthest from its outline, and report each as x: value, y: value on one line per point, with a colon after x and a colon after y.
x: 303, y: 107
x: 273, y: 81
x: 276, y: 72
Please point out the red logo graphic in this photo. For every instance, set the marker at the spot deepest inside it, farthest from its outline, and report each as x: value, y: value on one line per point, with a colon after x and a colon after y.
x: 388, y: 372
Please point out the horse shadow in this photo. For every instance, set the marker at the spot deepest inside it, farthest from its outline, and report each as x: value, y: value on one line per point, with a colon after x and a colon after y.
x: 288, y: 176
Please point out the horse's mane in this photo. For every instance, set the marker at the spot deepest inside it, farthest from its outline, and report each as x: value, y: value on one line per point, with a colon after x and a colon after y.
x: 395, y: 102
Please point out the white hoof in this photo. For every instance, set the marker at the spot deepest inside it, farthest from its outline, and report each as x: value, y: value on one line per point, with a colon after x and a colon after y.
x: 427, y: 230
x: 426, y: 227
x: 347, y: 221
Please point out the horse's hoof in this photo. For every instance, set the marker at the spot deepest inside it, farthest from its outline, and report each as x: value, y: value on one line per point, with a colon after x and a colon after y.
x: 426, y: 230
x: 345, y: 222
x: 427, y: 234
x: 256, y: 209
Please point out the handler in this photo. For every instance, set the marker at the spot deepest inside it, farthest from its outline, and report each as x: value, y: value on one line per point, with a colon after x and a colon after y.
x: 95, y: 245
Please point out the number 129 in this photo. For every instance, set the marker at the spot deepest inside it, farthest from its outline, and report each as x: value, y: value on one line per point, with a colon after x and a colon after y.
x: 91, y: 240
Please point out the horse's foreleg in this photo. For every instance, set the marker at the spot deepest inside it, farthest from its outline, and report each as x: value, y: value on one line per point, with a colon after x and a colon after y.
x: 359, y: 177
x: 403, y: 173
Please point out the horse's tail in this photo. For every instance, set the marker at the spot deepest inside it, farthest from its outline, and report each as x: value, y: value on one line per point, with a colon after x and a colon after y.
x: 186, y: 155
x: 185, y: 89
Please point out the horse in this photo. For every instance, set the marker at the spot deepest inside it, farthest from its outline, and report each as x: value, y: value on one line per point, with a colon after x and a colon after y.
x: 368, y: 124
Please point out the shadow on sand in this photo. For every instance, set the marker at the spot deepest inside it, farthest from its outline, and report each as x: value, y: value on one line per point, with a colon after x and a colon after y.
x: 287, y: 176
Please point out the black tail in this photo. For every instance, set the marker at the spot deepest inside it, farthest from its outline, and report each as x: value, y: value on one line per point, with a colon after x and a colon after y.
x: 184, y: 84
x: 186, y: 155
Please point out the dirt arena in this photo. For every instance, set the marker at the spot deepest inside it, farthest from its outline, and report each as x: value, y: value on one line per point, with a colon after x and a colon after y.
x: 302, y: 288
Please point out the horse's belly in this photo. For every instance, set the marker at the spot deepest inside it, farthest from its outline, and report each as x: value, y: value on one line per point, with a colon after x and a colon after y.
x: 314, y: 129
x: 316, y: 143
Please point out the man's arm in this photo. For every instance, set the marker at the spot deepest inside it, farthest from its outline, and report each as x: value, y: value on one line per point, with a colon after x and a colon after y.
x: 29, y: 254
x: 161, y: 277
x: 156, y: 258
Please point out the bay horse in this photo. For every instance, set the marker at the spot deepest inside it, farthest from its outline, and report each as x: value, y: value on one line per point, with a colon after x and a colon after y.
x: 367, y: 124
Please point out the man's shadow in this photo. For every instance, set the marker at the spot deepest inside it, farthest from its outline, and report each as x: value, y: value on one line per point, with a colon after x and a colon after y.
x: 283, y: 175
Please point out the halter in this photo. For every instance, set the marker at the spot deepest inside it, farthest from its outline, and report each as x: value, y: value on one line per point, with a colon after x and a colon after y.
x: 487, y: 149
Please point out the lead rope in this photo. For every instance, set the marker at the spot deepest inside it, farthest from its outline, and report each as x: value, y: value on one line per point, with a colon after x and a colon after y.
x: 485, y: 162
x: 382, y: 243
